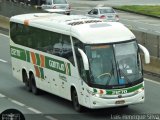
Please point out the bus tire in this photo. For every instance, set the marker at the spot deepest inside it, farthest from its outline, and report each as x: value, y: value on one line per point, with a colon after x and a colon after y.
x: 34, y: 88
x: 75, y: 101
x: 26, y: 81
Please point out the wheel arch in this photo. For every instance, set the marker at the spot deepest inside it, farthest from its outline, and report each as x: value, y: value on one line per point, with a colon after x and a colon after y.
x: 71, y: 89
x: 30, y: 73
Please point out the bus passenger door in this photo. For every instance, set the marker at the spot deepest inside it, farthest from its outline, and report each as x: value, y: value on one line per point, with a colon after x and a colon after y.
x: 82, y: 79
x: 84, y: 95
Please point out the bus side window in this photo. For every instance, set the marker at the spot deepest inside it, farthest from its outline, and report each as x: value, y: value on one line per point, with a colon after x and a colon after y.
x: 66, y: 48
x: 13, y: 31
x: 17, y: 33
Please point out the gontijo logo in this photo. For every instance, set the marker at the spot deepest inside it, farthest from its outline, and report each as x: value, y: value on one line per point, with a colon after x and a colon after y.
x: 56, y: 65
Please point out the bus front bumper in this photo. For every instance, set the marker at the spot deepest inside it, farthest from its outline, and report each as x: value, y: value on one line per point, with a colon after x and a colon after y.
x: 98, y: 102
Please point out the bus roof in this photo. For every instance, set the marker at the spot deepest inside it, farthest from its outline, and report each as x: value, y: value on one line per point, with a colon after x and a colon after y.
x: 86, y: 29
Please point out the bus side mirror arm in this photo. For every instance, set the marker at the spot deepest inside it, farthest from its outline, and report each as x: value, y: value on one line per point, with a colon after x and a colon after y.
x: 84, y: 58
x: 146, y: 53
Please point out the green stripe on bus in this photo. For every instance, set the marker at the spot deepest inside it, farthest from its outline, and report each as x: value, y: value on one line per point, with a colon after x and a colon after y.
x: 37, y: 59
x: 95, y: 90
x: 28, y: 56
x: 69, y: 68
x: 18, y: 53
x: 121, y: 91
x: 50, y: 63
x: 41, y: 72
x: 135, y: 88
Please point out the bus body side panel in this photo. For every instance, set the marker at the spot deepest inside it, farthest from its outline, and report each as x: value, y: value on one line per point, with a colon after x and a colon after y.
x: 17, y: 61
x: 16, y: 68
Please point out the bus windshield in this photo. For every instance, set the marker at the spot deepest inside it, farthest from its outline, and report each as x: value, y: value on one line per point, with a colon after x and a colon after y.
x: 114, y: 64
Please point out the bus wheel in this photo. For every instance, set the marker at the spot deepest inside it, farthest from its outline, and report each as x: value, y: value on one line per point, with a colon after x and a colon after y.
x: 26, y: 82
x: 76, y: 104
x: 34, y: 88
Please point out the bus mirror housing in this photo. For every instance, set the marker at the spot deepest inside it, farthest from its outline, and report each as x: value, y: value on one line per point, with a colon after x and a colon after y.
x: 146, y: 53
x: 84, y: 58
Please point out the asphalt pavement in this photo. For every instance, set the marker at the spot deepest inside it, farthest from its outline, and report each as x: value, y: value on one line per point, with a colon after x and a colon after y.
x: 50, y: 107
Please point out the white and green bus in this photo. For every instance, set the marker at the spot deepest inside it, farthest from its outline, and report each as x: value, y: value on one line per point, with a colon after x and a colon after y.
x: 92, y: 63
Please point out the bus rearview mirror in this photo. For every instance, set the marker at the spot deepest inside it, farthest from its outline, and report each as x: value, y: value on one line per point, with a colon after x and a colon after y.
x: 84, y: 58
x: 146, y: 53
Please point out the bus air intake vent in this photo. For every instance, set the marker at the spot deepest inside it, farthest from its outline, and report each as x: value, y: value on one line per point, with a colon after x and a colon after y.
x: 83, y: 22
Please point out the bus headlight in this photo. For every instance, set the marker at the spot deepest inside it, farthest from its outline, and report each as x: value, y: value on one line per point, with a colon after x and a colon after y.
x: 139, y: 90
x: 94, y: 94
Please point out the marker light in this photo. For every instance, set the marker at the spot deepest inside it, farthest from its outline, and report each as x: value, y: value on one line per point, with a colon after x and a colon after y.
x: 103, y: 17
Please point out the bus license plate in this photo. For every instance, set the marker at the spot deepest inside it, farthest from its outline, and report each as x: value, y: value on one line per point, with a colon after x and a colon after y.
x: 120, y: 102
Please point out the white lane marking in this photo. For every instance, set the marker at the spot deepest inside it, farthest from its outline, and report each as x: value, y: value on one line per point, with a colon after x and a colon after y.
x: 1, y: 60
x: 4, y: 35
x: 34, y: 110
x: 23, y: 105
x: 18, y: 103
x: 2, y: 96
x: 149, y: 80
x: 50, y: 118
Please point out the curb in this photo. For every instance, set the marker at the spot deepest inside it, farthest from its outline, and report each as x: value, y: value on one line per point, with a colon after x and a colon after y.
x: 4, y: 22
x: 158, y: 17
x: 4, y: 18
x: 4, y: 29
x: 151, y: 73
